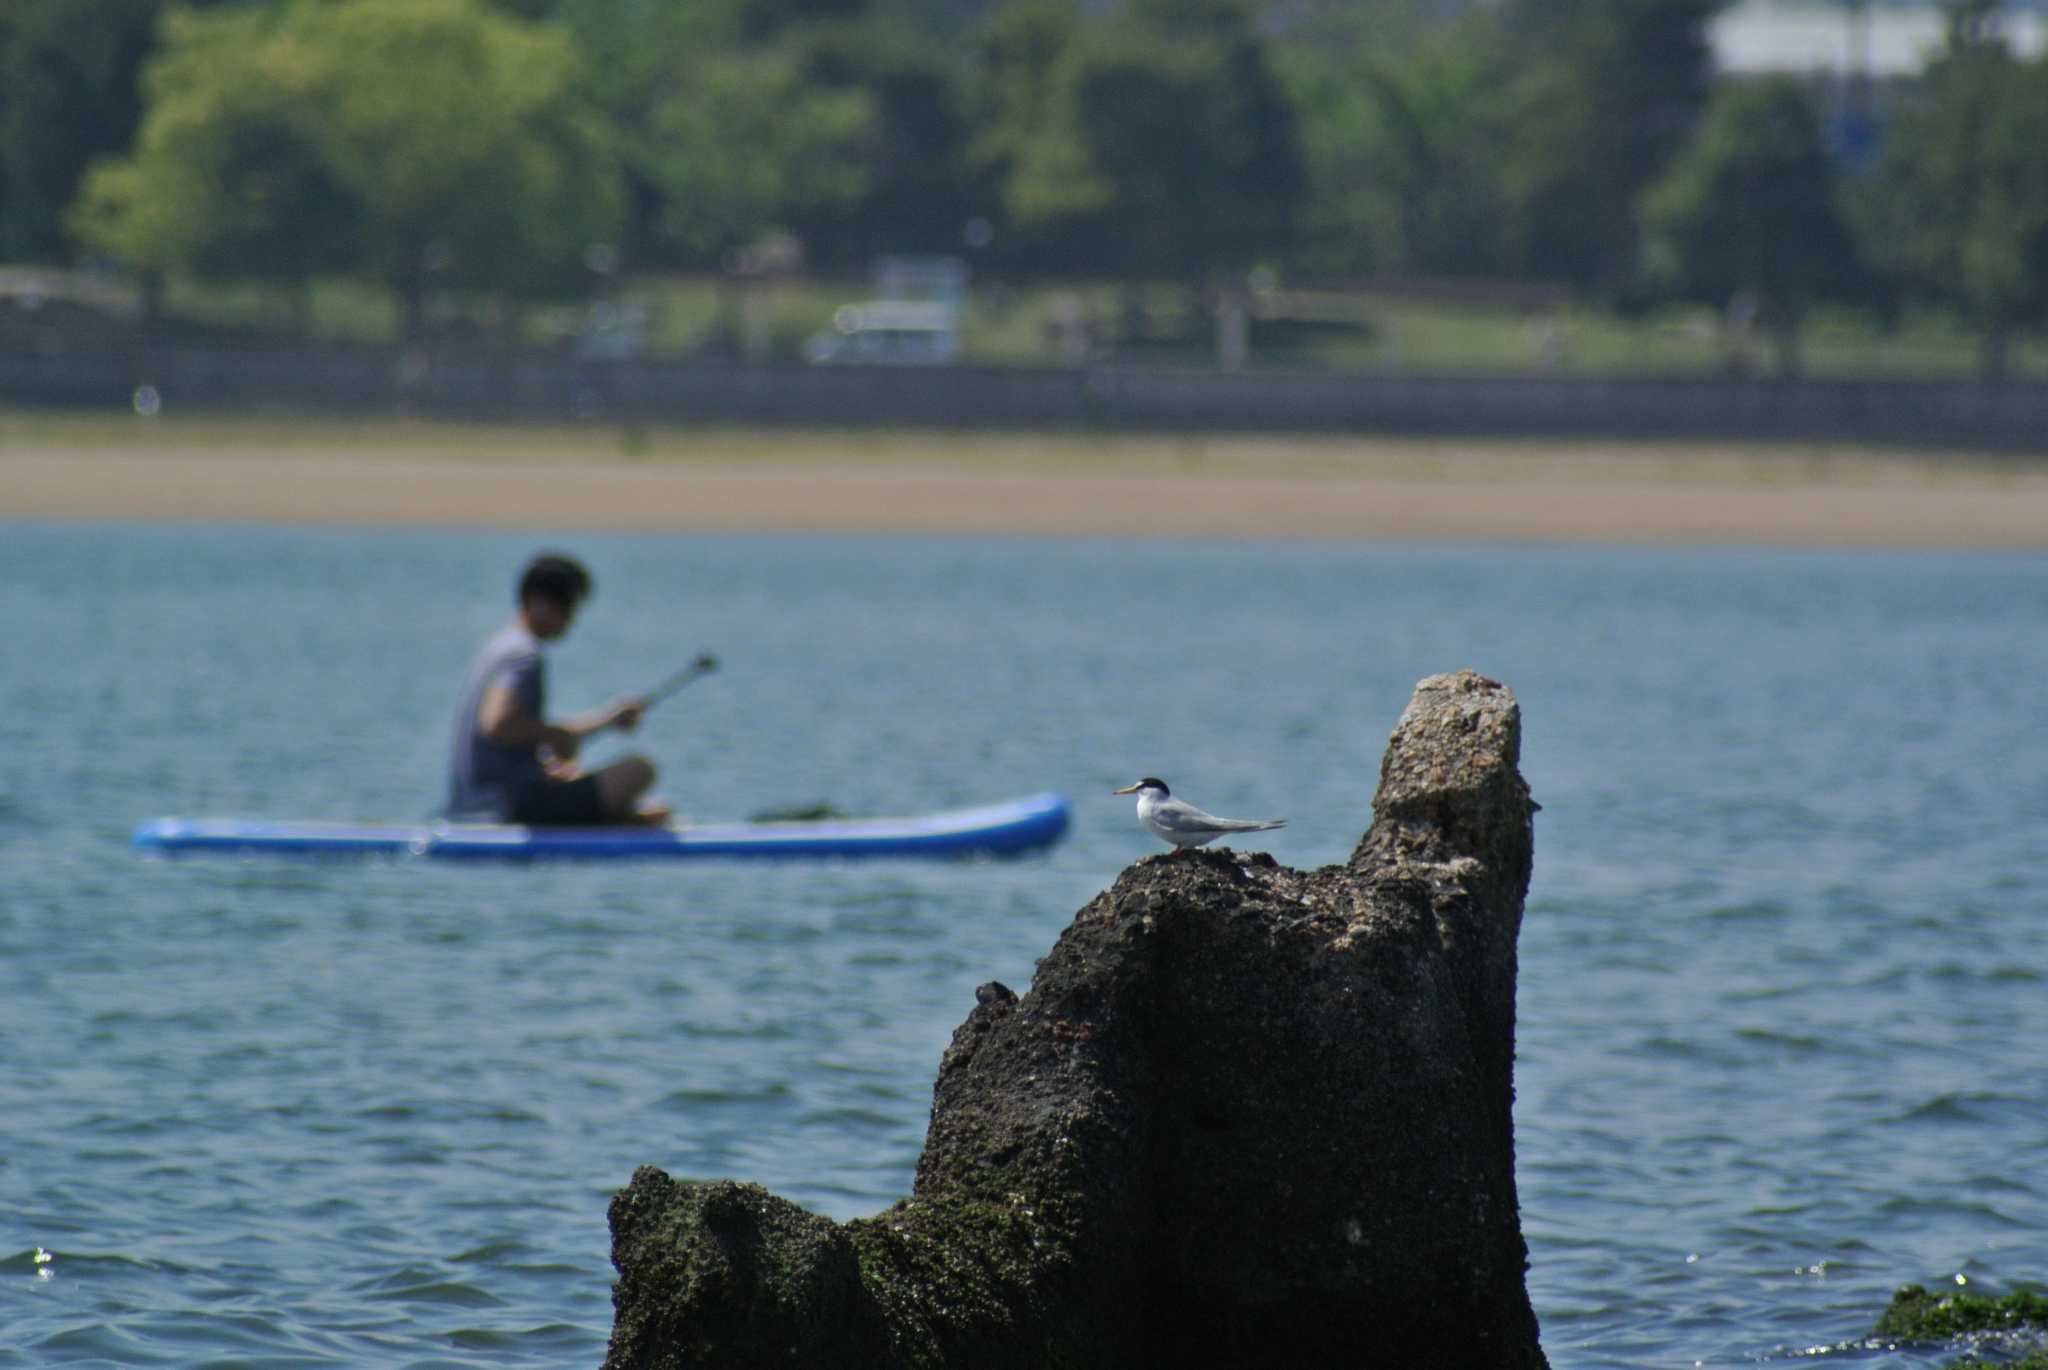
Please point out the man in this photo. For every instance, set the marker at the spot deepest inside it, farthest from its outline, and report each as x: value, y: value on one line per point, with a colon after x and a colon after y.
x: 510, y: 764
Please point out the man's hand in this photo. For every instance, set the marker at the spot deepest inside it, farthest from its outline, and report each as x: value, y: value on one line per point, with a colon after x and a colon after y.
x: 625, y: 715
x: 562, y: 744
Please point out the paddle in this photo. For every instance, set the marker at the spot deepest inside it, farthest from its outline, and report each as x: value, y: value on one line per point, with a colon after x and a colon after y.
x: 703, y: 665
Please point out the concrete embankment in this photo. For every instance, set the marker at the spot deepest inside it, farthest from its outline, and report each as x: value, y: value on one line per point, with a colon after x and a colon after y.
x: 471, y: 382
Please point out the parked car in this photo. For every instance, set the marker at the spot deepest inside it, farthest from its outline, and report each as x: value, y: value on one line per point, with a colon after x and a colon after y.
x: 889, y: 332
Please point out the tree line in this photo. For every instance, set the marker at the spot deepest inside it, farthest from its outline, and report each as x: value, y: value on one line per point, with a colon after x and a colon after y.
x: 518, y: 150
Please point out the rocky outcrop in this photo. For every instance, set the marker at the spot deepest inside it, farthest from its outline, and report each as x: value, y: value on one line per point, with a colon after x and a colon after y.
x: 1246, y: 1116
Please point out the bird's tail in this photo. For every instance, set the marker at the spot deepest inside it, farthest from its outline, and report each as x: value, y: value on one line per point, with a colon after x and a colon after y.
x: 1256, y: 824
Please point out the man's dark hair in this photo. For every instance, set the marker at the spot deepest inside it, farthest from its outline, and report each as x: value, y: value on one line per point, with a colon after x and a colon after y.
x: 556, y: 579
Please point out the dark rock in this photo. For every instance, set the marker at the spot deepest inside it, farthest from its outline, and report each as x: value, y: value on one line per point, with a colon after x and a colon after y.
x: 1245, y: 1116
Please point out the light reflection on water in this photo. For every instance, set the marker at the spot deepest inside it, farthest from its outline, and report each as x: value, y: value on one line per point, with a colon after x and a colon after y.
x: 1780, y: 974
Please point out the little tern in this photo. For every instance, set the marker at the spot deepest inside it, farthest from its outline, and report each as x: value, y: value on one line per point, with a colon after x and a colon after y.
x: 1181, y: 823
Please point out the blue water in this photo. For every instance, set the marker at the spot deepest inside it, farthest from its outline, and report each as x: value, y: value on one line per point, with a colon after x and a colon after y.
x: 1784, y: 975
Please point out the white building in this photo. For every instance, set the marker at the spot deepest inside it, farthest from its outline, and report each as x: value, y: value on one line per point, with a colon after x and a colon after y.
x: 1864, y: 37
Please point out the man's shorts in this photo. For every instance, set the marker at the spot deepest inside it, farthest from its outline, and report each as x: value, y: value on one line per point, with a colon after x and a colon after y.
x: 545, y: 803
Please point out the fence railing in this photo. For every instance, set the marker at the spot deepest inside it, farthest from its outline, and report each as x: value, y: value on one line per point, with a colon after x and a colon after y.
x: 493, y: 384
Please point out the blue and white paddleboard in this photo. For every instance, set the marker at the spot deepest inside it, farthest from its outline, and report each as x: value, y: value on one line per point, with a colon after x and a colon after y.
x: 1014, y: 826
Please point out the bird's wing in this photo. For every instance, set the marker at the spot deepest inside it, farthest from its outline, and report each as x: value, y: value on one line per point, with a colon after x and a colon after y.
x: 1248, y: 824
x: 1177, y: 815
x: 1183, y: 817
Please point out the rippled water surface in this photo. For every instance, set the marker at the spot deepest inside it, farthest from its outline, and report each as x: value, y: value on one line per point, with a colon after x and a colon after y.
x: 1784, y: 975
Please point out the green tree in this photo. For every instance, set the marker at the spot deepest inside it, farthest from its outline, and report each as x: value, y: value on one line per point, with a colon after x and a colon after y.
x: 1748, y: 209
x: 1959, y: 208
x: 914, y: 150
x: 739, y: 118
x: 1161, y: 141
x: 8, y: 22
x: 743, y: 147
x: 1607, y: 91
x: 229, y: 179
x: 638, y: 57
x: 1400, y: 123
x: 469, y: 140
x: 433, y: 144
x: 1026, y: 155
x: 68, y: 95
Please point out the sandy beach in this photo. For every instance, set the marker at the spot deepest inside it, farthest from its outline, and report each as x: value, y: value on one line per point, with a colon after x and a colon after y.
x: 63, y: 467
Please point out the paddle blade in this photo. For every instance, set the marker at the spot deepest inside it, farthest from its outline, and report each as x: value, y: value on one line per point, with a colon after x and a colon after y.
x: 703, y: 665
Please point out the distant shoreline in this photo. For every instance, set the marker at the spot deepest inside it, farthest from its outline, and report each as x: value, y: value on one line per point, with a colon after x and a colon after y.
x: 393, y: 472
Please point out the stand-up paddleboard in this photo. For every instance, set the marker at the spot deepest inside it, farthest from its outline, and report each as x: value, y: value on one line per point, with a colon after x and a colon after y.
x: 1017, y: 825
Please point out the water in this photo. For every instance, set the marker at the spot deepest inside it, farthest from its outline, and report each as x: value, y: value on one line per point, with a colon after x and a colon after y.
x: 1782, y: 975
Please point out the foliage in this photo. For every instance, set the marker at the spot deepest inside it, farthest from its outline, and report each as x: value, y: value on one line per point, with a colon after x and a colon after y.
x: 68, y: 94
x: 1748, y: 209
x: 482, y: 148
x: 914, y: 147
x: 1161, y: 138
x: 636, y: 57
x: 744, y: 118
x: 743, y: 146
x: 1026, y: 154
x: 1959, y: 210
x: 467, y: 138
x: 1917, y: 1314
x: 8, y: 23
x: 229, y: 180
x: 1605, y: 93
x: 1401, y: 123
x: 423, y: 142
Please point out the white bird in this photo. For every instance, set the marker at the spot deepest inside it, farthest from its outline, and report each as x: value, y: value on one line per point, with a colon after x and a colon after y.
x: 1181, y: 823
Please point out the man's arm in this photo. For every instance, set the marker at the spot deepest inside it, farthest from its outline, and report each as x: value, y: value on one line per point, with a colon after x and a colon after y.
x: 503, y: 723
